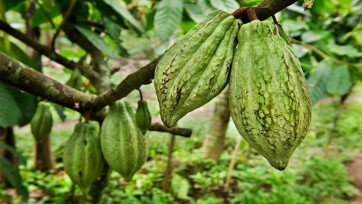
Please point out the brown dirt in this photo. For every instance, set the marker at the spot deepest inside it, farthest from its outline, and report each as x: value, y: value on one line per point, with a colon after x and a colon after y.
x: 354, y: 169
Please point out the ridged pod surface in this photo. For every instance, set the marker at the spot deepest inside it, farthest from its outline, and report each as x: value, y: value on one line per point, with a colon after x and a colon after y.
x: 143, y: 116
x: 42, y: 122
x: 269, y: 97
x: 196, y: 68
x: 82, y: 158
x: 123, y: 144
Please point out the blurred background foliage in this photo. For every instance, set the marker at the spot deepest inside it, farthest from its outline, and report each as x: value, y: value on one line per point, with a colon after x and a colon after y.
x: 129, y: 33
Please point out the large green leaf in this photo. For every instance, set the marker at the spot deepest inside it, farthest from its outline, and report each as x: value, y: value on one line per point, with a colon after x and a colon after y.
x: 27, y: 104
x: 10, y: 113
x: 97, y: 41
x: 318, y: 81
x: 168, y: 17
x: 205, y: 6
x: 225, y: 5
x: 194, y: 11
x: 339, y: 80
x: 14, y: 178
x: 124, y: 13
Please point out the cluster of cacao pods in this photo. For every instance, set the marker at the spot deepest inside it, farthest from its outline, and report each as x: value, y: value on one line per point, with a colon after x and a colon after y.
x: 269, y: 98
x: 121, y: 143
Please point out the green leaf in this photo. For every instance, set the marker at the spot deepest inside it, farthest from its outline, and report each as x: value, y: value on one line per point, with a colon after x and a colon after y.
x: 20, y: 158
x: 318, y: 80
x: 300, y: 50
x: 180, y: 186
x: 225, y: 5
x: 14, y: 178
x: 168, y: 17
x: 124, y: 13
x: 314, y: 35
x: 97, y: 41
x: 9, y: 111
x: 60, y: 111
x: 112, y: 29
x: 339, y: 80
x: 27, y: 104
x: 205, y: 6
x: 344, y: 50
x: 194, y: 11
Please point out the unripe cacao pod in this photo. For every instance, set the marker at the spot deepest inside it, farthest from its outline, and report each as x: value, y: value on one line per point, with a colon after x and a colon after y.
x: 42, y: 122
x: 82, y: 158
x: 269, y: 97
x: 196, y: 68
x: 123, y: 144
x: 143, y: 116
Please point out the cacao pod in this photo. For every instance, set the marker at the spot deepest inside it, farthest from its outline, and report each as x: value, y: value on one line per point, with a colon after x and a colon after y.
x: 122, y: 142
x: 196, y: 68
x: 82, y: 158
x: 269, y: 97
x: 143, y: 116
x: 42, y: 122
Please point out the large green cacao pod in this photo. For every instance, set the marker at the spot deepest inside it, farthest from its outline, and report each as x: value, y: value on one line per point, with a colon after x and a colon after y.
x: 196, y: 68
x: 269, y: 97
x: 143, y: 116
x: 82, y: 158
x: 42, y: 122
x: 122, y: 142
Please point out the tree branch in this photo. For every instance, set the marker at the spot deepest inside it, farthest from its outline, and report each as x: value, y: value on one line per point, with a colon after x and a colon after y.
x: 39, y: 47
x: 34, y: 82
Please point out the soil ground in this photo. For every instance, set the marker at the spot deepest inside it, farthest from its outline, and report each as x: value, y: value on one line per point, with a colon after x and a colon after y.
x: 354, y: 169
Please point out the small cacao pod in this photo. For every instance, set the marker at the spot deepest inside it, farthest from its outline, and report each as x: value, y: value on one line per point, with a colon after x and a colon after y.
x: 42, y: 122
x: 82, y: 158
x: 269, y: 97
x: 122, y: 142
x: 143, y: 116
x: 196, y: 68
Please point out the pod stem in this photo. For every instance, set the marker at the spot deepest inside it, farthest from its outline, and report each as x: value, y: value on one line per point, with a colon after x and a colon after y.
x: 251, y: 14
x: 141, y: 96
x: 239, y: 12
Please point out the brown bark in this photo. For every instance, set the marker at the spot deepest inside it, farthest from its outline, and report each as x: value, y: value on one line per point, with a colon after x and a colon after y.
x: 7, y: 136
x: 43, y: 155
x: 213, y: 145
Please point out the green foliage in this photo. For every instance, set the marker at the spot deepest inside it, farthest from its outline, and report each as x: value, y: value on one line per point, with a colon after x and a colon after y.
x: 168, y: 17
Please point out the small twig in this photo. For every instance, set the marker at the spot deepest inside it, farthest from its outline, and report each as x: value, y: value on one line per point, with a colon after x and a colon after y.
x: 166, y: 182
x: 324, y: 55
x: 184, y: 132
x: 275, y: 20
x: 65, y: 18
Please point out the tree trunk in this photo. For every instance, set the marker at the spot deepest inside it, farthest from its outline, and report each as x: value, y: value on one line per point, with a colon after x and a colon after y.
x: 43, y: 156
x: 42, y: 153
x: 7, y: 136
x: 215, y: 137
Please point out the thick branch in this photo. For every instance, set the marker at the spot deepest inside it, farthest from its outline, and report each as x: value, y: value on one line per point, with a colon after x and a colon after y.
x: 34, y: 82
x: 270, y: 7
x: 38, y: 47
x: 130, y: 83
